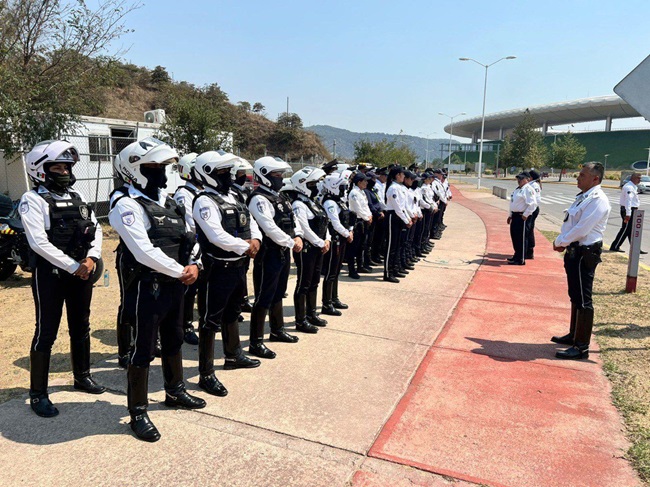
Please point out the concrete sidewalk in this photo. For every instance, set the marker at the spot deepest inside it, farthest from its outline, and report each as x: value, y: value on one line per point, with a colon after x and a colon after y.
x: 380, y: 397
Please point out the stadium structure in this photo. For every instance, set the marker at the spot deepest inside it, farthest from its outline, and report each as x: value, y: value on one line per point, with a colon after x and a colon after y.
x: 623, y: 146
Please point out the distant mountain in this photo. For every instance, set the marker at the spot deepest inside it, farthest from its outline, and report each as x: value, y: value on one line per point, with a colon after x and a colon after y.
x: 345, y: 141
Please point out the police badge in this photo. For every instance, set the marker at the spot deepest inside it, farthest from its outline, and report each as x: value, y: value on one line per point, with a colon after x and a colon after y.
x: 24, y: 207
x: 83, y: 211
x: 205, y: 213
x: 243, y: 219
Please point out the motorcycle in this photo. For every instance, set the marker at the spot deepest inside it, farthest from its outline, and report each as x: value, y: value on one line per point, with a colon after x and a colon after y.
x: 14, y: 248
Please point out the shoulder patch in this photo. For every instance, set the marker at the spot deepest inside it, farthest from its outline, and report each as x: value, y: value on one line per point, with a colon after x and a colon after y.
x: 128, y: 218
x: 260, y: 205
x: 394, y: 195
x: 180, y: 199
x: 24, y: 207
x: 205, y: 213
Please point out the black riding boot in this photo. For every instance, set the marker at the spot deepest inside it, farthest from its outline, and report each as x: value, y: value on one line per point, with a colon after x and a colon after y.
x: 257, y: 347
x: 276, y: 320
x: 352, y: 269
x: 39, y: 369
x: 335, y: 297
x: 312, y: 315
x: 568, y: 339
x: 136, y: 396
x: 584, y: 326
x: 328, y: 308
x: 175, y: 393
x: 207, y: 380
x: 300, y: 305
x: 124, y: 338
x: 80, y: 357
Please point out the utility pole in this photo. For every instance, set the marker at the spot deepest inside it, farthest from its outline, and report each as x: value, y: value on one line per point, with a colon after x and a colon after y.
x: 287, y: 106
x: 334, y: 148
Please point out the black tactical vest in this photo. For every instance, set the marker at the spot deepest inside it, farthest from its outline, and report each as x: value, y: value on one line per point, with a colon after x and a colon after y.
x: 167, y: 231
x: 235, y: 219
x: 284, y: 217
x: 346, y: 217
x: 318, y: 224
x: 71, y: 229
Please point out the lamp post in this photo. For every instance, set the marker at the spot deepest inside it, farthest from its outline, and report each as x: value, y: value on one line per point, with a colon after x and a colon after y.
x: 605, y: 168
x: 486, y: 66
x: 426, y: 153
x: 451, y: 131
x: 647, y: 165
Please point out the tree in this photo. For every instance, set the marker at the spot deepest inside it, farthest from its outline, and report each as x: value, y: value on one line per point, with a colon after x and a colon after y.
x: 52, y: 53
x: 567, y: 153
x: 525, y: 146
x: 160, y: 76
x: 244, y: 105
x: 383, y: 152
x: 258, y: 108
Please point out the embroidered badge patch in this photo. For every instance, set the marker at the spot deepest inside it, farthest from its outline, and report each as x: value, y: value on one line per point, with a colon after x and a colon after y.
x: 128, y: 218
x: 83, y: 211
x: 260, y: 205
x: 205, y: 213
x: 24, y: 207
x: 180, y: 200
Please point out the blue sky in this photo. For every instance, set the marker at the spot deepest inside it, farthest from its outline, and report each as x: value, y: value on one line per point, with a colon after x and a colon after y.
x: 378, y: 66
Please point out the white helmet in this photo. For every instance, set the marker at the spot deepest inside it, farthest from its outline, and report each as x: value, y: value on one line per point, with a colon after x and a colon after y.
x: 306, y: 175
x: 185, y: 166
x: 241, y: 164
x: 49, y: 152
x: 333, y: 182
x: 287, y: 185
x: 266, y: 165
x: 207, y: 164
x: 342, y: 166
x: 146, y: 151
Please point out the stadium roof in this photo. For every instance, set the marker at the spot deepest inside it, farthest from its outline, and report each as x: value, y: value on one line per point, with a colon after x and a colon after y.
x: 562, y: 113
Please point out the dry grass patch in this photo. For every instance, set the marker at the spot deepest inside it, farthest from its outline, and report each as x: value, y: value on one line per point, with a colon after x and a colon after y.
x: 622, y: 329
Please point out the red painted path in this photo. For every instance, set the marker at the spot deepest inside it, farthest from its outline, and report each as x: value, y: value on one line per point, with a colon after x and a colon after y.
x: 490, y: 404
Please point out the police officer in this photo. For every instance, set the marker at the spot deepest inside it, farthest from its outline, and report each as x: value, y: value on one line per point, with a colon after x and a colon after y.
x: 313, y: 220
x: 522, y: 205
x: 157, y: 246
x: 629, y: 202
x: 358, y: 204
x: 412, y: 210
x: 228, y: 236
x: 398, y: 221
x: 184, y: 196
x: 239, y: 173
x: 379, y: 240
x: 429, y: 208
x: 281, y: 234
x: 536, y: 186
x: 581, y: 236
x: 377, y: 208
x: 66, y: 241
x: 340, y: 224
x: 441, y: 199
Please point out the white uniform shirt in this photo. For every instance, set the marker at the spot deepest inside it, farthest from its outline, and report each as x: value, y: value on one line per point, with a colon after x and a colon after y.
x: 303, y: 215
x: 130, y: 221
x: 629, y: 197
x: 358, y: 203
x: 380, y: 189
x: 445, y: 185
x: 184, y: 197
x: 586, y: 219
x: 35, y: 215
x: 396, y: 201
x: 420, y: 194
x: 208, y: 217
x: 263, y: 212
x: 523, y: 201
x: 439, y: 189
x: 414, y: 202
x: 428, y: 196
x: 333, y: 209
x: 538, y: 192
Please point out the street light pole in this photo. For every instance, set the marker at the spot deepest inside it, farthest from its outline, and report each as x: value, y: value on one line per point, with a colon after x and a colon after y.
x: 605, y: 169
x: 426, y: 153
x: 647, y: 165
x: 451, y: 132
x: 480, y: 151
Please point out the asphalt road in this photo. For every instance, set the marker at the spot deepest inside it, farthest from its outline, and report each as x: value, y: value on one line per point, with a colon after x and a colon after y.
x: 556, y: 197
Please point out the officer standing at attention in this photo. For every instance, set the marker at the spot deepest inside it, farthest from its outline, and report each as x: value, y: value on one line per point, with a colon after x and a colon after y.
x: 66, y: 239
x: 313, y: 220
x: 281, y: 234
x: 157, y: 245
x: 581, y: 236
x: 379, y: 239
x: 239, y: 173
x: 522, y: 205
x: 441, y: 199
x: 629, y: 202
x: 398, y: 220
x: 227, y: 236
x: 377, y: 208
x: 334, y: 201
x: 184, y: 196
x: 536, y: 185
x: 358, y: 204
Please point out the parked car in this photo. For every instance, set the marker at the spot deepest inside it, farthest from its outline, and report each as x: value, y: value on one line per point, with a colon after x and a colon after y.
x: 644, y: 184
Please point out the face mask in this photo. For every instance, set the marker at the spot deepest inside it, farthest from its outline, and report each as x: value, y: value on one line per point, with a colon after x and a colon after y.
x: 224, y: 182
x: 276, y: 183
x: 240, y: 180
x: 156, y: 177
x: 313, y: 191
x: 58, y: 183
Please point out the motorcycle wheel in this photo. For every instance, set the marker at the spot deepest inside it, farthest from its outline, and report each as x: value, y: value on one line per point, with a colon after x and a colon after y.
x: 99, y: 271
x: 7, y: 268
